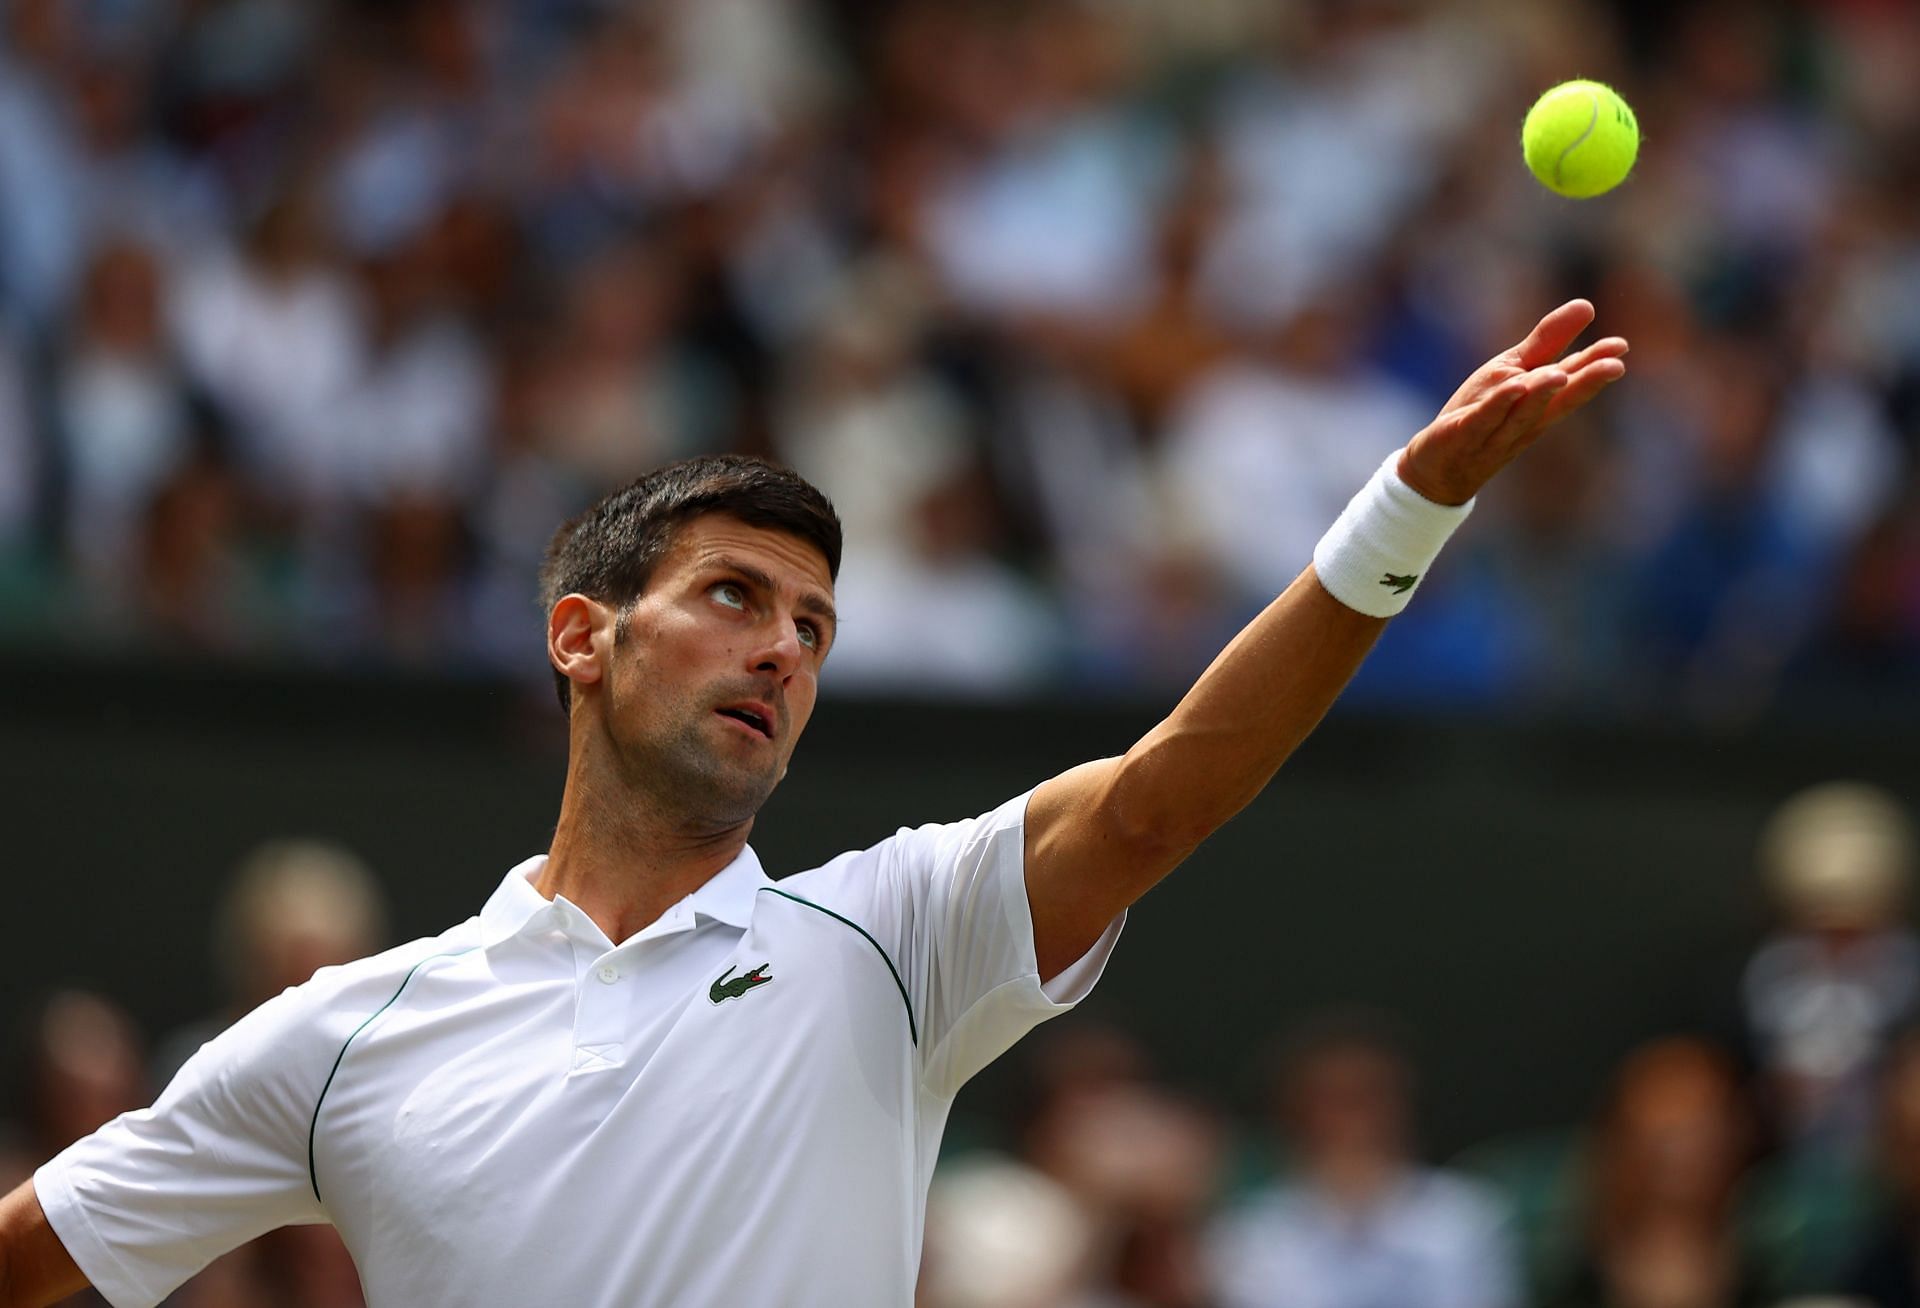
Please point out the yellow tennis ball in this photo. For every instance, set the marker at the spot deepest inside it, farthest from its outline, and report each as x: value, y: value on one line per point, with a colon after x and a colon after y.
x: 1580, y: 139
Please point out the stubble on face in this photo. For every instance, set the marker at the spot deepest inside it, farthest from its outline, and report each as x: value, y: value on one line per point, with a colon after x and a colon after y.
x: 675, y: 758
x: 679, y: 658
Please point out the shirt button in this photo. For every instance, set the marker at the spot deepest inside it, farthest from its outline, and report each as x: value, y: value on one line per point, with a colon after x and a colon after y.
x: 609, y: 974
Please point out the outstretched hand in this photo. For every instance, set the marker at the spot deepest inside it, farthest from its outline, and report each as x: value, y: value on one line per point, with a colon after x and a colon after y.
x: 1507, y: 403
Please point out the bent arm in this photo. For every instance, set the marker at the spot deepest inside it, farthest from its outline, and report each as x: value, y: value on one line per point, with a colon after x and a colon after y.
x: 35, y: 1268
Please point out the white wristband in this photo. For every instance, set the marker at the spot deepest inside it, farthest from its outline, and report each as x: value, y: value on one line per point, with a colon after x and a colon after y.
x: 1381, y: 545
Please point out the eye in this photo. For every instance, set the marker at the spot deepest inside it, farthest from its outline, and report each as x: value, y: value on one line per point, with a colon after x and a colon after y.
x: 729, y: 594
x: 809, y: 635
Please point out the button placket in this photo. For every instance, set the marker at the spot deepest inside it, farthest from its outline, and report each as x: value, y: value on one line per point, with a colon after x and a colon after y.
x: 597, y: 1011
x: 603, y: 993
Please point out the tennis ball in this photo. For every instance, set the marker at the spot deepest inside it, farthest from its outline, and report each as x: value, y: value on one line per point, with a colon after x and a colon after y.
x: 1580, y: 139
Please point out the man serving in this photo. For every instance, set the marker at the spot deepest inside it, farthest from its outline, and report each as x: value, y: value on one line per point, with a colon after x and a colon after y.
x: 647, y: 1074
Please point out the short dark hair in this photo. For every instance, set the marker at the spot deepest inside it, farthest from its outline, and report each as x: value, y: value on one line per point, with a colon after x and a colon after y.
x: 609, y: 552
x: 1347, y: 1029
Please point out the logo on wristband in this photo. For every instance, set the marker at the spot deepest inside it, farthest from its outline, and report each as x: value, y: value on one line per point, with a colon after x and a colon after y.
x: 1401, y: 585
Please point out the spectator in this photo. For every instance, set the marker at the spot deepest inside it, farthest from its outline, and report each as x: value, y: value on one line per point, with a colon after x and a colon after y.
x: 618, y: 393
x: 1052, y: 210
x: 888, y: 441
x: 122, y: 412
x: 1357, y: 1222
x: 42, y: 234
x: 1330, y: 143
x: 1842, y: 973
x: 351, y: 208
x: 1267, y: 450
x: 1141, y: 1163
x: 19, y: 458
x: 1886, y: 1269
x: 1666, y: 1161
x: 294, y: 907
x: 274, y: 334
x: 1001, y: 1235
x: 83, y: 1065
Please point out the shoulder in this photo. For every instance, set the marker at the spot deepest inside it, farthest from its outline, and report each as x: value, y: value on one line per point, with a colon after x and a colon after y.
x: 1779, y: 960
x: 376, y: 977
x: 298, y: 1028
x: 1262, y: 1232
x: 1280, y: 1202
x: 1459, y: 1202
x: 851, y: 877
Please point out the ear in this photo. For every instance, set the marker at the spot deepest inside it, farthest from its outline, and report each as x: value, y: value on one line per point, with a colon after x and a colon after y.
x: 572, y: 628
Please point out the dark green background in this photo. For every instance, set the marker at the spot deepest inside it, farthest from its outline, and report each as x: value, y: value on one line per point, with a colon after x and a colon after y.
x: 1530, y: 900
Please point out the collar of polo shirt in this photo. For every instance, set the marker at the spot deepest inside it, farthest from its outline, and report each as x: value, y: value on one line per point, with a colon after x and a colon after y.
x: 516, y: 906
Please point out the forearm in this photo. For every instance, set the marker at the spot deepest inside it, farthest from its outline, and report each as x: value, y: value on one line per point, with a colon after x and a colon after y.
x: 1098, y: 836
x: 1262, y: 696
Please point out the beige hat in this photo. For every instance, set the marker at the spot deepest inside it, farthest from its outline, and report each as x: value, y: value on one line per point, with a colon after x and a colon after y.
x: 1002, y: 1235
x: 1839, y: 855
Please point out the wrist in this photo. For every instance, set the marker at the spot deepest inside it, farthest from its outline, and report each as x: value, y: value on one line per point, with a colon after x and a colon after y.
x: 1428, y: 488
x: 1379, y: 549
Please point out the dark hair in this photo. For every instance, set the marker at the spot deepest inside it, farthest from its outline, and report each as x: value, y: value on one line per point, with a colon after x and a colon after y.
x: 1349, y: 1029
x: 609, y: 552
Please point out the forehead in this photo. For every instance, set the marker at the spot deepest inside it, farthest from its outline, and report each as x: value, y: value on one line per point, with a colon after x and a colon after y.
x: 716, y: 537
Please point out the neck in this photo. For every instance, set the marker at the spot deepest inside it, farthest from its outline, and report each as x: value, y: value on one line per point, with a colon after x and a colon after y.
x: 624, y: 860
x: 1359, y: 1181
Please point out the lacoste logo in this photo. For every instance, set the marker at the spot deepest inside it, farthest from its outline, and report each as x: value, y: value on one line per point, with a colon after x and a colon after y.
x: 722, y: 990
x: 1401, y: 585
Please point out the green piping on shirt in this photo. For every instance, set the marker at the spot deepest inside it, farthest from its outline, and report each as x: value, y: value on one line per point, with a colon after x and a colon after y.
x: 313, y: 1128
x: 913, y: 1031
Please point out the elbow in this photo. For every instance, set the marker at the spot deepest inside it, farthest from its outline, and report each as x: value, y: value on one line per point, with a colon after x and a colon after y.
x: 1161, y: 840
x: 1141, y: 822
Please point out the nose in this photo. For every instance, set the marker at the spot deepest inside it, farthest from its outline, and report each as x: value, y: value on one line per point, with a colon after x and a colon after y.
x: 781, y: 652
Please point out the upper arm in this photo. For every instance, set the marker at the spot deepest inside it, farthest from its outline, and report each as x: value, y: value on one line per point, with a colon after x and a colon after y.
x: 1100, y: 835
x: 1087, y: 861
x: 35, y: 1267
x: 948, y: 905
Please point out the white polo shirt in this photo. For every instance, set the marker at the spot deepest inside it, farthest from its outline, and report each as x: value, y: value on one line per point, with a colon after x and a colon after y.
x: 741, y: 1104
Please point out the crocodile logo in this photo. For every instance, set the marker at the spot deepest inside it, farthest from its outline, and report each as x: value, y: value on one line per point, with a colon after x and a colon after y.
x: 1401, y: 584
x: 723, y: 989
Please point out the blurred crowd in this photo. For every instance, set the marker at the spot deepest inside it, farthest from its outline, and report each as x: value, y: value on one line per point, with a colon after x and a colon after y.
x: 316, y: 318
x: 1781, y: 1168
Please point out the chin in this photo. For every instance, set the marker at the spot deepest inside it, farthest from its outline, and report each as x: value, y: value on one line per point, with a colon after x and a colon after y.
x: 734, y: 797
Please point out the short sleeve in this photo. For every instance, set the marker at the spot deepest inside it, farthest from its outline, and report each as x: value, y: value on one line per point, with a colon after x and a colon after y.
x: 223, y: 1155
x: 155, y: 1195
x: 949, y: 903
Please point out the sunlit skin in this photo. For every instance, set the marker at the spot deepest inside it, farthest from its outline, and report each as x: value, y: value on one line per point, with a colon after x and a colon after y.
x: 662, y: 786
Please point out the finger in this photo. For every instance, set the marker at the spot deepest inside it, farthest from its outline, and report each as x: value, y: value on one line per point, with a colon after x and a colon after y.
x: 1586, y: 384
x: 1526, y: 416
x: 1482, y: 383
x: 1613, y: 347
x: 1553, y: 334
x: 1489, y: 413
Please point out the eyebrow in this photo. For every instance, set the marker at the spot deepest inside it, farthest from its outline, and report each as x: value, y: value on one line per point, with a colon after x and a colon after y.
x: 812, y: 601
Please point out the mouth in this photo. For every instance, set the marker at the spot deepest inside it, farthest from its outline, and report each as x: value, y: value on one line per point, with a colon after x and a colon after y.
x: 756, y: 717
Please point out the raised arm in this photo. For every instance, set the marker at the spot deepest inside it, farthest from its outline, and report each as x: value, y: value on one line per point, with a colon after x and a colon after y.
x: 1099, y: 835
x: 35, y: 1268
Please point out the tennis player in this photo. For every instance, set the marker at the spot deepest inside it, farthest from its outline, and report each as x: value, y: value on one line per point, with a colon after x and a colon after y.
x: 647, y: 1074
